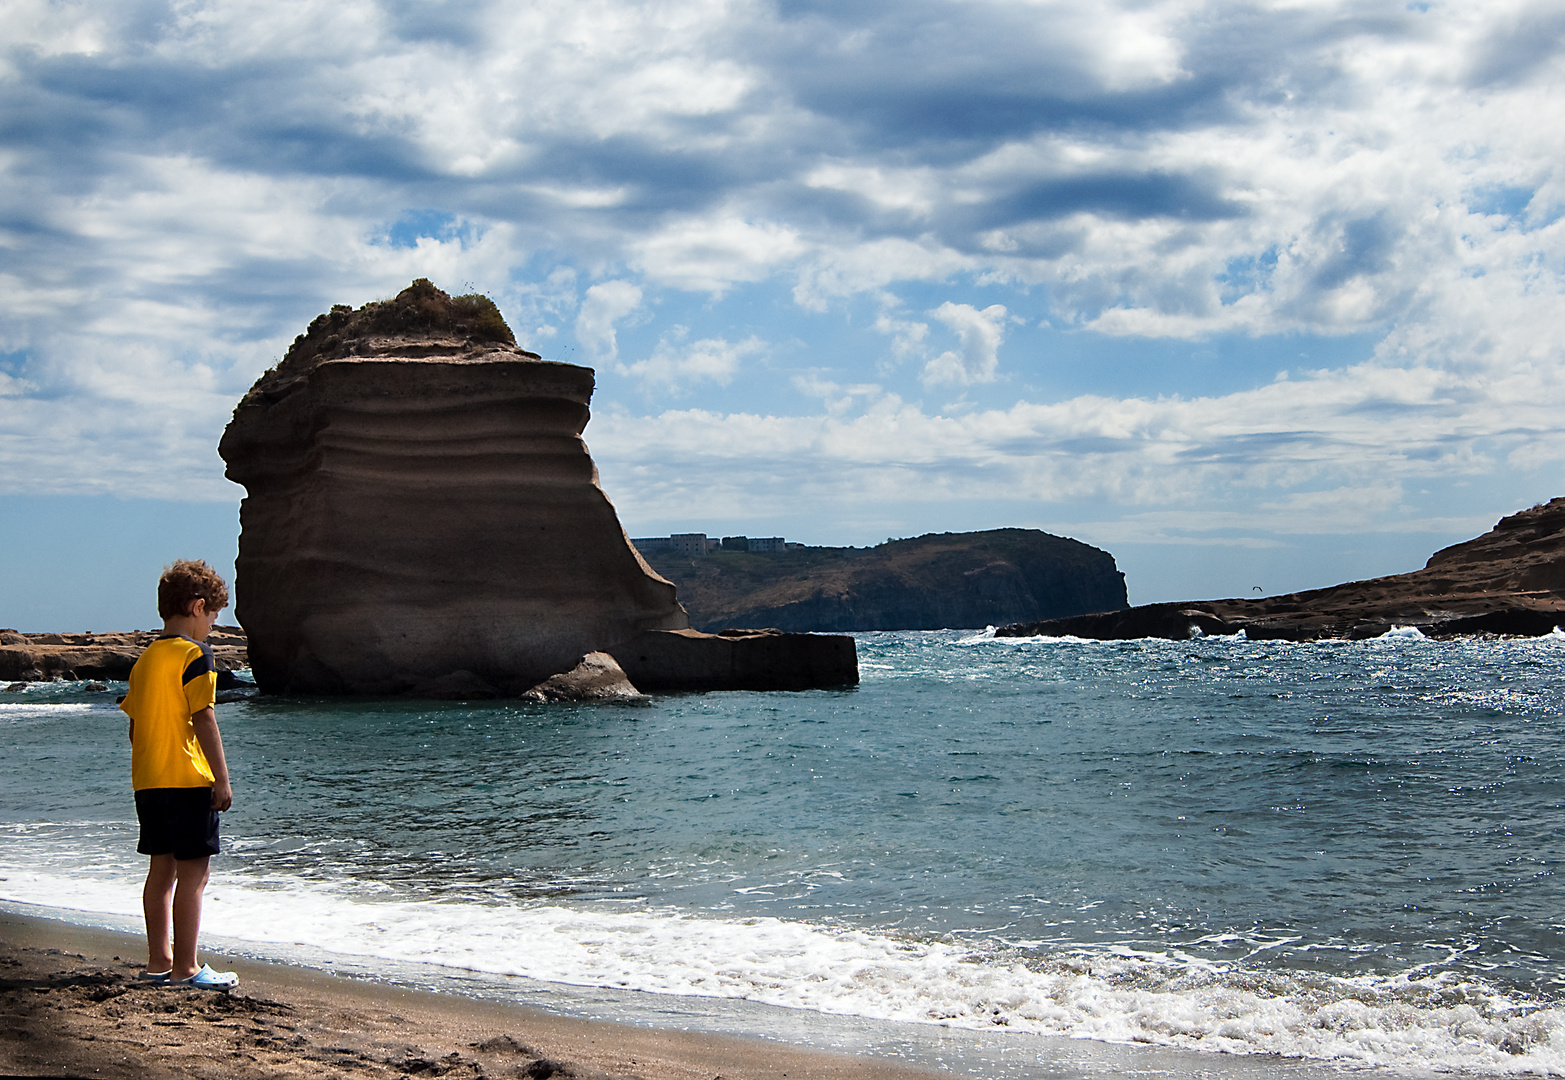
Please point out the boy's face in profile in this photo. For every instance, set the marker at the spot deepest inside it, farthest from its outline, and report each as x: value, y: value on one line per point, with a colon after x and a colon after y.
x: 197, y: 623
x: 208, y: 618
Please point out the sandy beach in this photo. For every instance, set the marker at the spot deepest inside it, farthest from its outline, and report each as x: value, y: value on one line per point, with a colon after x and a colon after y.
x: 70, y: 1005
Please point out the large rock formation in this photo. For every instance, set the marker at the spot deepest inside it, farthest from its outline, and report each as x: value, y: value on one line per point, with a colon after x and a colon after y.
x: 423, y: 516
x: 1511, y: 580
x: 925, y: 583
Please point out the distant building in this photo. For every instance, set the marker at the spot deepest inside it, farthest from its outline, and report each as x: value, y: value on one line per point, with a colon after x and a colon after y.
x: 701, y: 543
x: 691, y: 543
x: 680, y: 543
x: 755, y: 544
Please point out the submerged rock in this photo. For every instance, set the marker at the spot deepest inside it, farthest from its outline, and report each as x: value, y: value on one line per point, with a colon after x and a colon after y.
x: 422, y: 514
x: 1509, y: 581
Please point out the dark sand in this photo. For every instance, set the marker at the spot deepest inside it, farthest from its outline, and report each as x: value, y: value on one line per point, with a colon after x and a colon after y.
x: 70, y: 1005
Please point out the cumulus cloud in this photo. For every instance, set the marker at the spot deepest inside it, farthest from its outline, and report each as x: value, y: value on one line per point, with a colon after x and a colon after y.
x: 675, y: 364
x: 604, y: 305
x: 1326, y: 452
x: 907, y: 335
x: 184, y: 185
x: 981, y: 333
x: 712, y: 255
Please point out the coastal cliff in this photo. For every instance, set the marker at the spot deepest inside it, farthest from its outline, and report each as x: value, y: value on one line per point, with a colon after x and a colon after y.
x: 1511, y: 580
x: 926, y: 583
x: 422, y: 514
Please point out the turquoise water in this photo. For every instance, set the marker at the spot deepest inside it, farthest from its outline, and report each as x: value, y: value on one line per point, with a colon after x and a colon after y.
x: 1337, y: 851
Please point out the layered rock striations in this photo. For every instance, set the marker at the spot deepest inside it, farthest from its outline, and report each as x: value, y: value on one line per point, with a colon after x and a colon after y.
x: 926, y: 583
x: 423, y: 516
x: 1511, y: 580
x: 421, y: 505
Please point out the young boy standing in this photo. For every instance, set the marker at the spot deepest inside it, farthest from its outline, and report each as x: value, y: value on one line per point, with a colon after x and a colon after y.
x: 178, y: 771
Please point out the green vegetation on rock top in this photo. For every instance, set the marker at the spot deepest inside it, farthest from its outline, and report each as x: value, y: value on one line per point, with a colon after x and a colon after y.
x: 422, y: 310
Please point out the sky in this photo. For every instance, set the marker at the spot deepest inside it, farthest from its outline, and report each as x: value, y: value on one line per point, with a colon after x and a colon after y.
x: 1252, y: 295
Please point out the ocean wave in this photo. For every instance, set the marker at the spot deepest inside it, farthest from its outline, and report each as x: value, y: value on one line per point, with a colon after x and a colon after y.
x: 1035, y: 639
x: 1416, y: 1019
x: 13, y: 710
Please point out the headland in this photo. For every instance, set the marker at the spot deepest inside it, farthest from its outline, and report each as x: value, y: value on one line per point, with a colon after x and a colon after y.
x: 1509, y: 581
x: 931, y: 582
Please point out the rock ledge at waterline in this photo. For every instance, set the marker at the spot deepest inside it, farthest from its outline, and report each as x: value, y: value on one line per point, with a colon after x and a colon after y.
x: 1509, y: 581
x: 422, y: 512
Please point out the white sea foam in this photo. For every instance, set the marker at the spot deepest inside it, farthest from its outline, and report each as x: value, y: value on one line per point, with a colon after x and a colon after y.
x: 1115, y: 995
x: 12, y: 710
x: 1403, y: 632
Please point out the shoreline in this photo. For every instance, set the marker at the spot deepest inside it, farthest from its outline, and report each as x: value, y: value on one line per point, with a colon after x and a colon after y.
x: 71, y: 1006
x: 70, y: 1002
x: 772, y: 968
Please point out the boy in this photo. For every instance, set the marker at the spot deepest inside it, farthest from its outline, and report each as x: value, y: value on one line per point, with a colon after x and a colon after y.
x: 178, y: 771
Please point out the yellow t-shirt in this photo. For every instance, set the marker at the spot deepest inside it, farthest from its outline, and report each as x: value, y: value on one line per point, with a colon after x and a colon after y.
x: 173, y: 679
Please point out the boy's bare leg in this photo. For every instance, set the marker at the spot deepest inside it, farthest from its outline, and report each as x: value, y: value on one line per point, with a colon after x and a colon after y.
x: 191, y: 879
x: 157, y: 905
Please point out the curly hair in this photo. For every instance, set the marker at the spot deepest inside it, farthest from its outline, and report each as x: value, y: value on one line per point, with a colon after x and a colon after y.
x: 186, y: 581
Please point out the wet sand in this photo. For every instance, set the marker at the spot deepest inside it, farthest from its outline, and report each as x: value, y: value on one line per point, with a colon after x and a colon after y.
x: 71, y: 1005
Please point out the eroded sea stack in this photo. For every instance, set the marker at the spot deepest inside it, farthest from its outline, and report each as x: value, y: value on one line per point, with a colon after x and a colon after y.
x: 423, y: 516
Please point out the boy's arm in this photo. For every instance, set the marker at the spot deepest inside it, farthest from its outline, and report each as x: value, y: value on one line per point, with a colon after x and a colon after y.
x: 211, y: 740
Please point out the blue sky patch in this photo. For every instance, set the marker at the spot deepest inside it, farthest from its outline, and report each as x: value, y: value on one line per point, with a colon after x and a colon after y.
x: 415, y: 225
x: 1509, y: 200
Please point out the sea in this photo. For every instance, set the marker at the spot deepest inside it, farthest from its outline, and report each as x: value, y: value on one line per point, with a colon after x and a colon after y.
x: 1006, y: 857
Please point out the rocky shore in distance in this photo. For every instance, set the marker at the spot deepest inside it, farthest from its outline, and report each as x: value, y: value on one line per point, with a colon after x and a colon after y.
x: 47, y: 657
x: 1509, y: 581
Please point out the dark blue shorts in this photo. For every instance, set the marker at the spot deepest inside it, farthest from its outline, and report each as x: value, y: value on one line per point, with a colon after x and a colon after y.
x: 177, y: 821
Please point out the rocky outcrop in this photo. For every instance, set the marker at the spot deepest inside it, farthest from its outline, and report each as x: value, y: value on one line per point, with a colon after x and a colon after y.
x: 926, y: 583
x: 422, y: 515
x: 1511, y: 580
x: 597, y: 678
x: 739, y: 660
x: 45, y: 657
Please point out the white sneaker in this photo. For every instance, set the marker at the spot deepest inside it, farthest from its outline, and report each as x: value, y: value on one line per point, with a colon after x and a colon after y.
x: 207, y: 979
